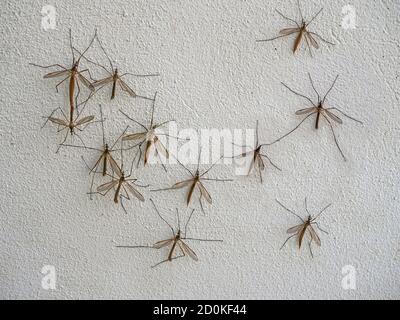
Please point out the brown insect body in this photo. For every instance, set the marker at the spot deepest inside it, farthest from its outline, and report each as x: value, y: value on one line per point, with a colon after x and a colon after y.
x: 120, y: 182
x: 305, y: 226
x: 115, y: 79
x: 299, y: 36
x: 176, y: 239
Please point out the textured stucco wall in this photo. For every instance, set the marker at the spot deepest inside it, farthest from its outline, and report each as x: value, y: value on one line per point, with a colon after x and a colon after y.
x: 214, y: 75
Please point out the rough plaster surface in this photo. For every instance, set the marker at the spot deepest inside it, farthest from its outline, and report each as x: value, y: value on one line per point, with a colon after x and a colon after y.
x: 214, y: 75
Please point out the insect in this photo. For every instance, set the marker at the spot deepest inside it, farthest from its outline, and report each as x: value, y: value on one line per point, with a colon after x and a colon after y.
x: 196, y: 180
x: 148, y: 137
x: 176, y: 241
x: 301, y: 30
x: 115, y: 78
x: 305, y: 226
x: 73, y: 74
x: 257, y: 156
x: 70, y: 125
x: 122, y: 184
x: 105, y: 160
x: 319, y: 110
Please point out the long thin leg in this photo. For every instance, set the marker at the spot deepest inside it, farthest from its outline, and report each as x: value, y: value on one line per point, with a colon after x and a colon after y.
x: 137, y: 122
x: 313, y: 86
x: 287, y: 241
x: 346, y: 115
x: 65, y: 138
x: 287, y: 18
x: 277, y: 37
x: 316, y: 15
x: 333, y: 84
x: 334, y: 137
x: 295, y: 128
x: 60, y: 83
x: 50, y: 66
x: 316, y: 223
x: 322, y: 39
x: 166, y: 260
x: 264, y: 155
x: 299, y: 94
x: 161, y: 217
x: 290, y: 211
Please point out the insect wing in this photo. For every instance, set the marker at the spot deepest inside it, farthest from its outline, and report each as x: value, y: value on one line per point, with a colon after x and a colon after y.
x: 188, y: 251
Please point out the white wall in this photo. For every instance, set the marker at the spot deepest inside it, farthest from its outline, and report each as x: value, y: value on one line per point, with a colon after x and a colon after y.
x: 214, y: 75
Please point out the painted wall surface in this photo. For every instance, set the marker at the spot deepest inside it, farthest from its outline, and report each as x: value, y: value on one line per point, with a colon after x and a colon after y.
x: 213, y: 75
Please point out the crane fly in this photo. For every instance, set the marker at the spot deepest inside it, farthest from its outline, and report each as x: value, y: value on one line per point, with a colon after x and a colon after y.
x: 196, y: 180
x: 73, y: 74
x: 257, y: 156
x: 148, y: 137
x: 319, y: 110
x: 115, y: 78
x: 177, y: 240
x: 122, y: 184
x: 70, y: 125
x: 301, y: 30
x: 306, y: 226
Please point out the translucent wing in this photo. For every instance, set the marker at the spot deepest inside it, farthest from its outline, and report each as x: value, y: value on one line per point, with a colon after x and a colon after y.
x: 333, y: 117
x: 58, y: 121
x: 57, y: 74
x: 107, y: 186
x: 84, y: 120
x: 288, y: 31
x: 134, y: 192
x: 126, y: 88
x: 162, y: 243
x: 104, y: 81
x: 294, y: 229
x: 204, y: 192
x: 134, y: 136
x: 304, y: 111
x: 114, y: 165
x: 312, y: 40
x: 85, y: 81
x: 185, y: 248
x: 314, y: 236
x: 181, y: 184
x: 160, y: 148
